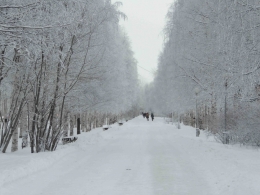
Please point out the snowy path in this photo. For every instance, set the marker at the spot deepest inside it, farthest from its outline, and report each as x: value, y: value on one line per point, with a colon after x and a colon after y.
x: 138, y: 158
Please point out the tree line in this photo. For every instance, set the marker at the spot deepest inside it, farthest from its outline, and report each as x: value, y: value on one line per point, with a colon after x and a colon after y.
x: 61, y: 60
x: 211, y: 56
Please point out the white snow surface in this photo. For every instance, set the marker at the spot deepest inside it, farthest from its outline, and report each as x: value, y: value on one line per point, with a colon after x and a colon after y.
x: 139, y: 158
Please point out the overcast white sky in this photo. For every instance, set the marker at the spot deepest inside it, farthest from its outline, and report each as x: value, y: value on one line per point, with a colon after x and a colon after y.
x: 144, y: 26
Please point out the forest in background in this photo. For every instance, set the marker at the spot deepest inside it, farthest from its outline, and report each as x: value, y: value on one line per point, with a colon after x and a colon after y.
x: 62, y: 61
x: 210, y: 63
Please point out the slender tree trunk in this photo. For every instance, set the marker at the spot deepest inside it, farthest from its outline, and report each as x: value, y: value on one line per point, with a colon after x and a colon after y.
x: 82, y: 122
x: 13, y: 125
x: 51, y: 141
x: 24, y: 129
x: 66, y: 123
x: 14, y: 147
x: 2, y: 131
x: 20, y: 128
x: 35, y: 130
x: 71, y: 124
x: 78, y: 125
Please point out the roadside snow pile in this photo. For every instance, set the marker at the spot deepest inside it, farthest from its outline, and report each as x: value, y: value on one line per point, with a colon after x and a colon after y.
x: 30, y: 163
x: 22, y: 163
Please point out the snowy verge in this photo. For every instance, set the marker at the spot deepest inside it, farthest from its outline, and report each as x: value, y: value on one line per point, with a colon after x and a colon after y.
x: 22, y: 163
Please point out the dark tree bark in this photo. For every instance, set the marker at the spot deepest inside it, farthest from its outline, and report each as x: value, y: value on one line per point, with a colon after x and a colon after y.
x: 78, y: 125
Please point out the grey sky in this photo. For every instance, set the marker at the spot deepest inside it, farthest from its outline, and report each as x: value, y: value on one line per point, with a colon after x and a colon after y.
x: 146, y: 19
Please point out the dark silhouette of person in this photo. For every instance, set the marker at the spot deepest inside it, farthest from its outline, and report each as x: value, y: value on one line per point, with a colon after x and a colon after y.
x: 152, y: 116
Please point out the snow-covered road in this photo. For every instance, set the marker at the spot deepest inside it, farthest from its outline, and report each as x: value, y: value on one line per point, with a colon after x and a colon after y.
x: 138, y: 158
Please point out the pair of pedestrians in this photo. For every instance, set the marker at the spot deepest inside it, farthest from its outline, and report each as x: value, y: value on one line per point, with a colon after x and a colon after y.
x: 146, y: 115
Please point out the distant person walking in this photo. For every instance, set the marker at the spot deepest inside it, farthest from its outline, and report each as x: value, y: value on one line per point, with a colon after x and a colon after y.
x: 152, y: 116
x: 147, y: 116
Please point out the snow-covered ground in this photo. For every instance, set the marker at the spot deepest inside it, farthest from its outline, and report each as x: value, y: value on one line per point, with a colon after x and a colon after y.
x: 138, y: 158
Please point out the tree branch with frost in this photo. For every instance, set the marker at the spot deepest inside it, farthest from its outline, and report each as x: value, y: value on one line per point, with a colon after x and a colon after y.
x: 193, y: 78
x: 32, y: 27
x: 253, y: 71
x: 18, y: 6
x: 206, y: 64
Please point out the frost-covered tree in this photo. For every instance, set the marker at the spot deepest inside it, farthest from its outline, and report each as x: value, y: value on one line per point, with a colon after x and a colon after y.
x: 60, y: 59
x: 212, y: 46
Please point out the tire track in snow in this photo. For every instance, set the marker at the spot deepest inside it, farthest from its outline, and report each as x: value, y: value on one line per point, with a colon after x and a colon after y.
x: 173, y: 171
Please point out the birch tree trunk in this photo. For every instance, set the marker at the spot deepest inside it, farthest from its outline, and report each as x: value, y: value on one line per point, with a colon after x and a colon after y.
x: 20, y: 129
x: 71, y: 124
x: 15, y: 140
x: 88, y: 122
x: 24, y: 129
x: 66, y: 123
x: 82, y: 121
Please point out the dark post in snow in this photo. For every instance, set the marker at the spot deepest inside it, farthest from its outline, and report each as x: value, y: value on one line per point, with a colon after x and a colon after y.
x: 78, y: 125
x: 225, y: 133
x: 196, y: 113
x: 225, y: 107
